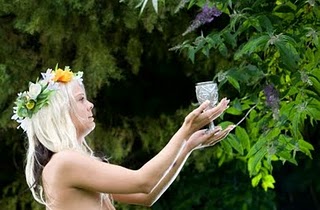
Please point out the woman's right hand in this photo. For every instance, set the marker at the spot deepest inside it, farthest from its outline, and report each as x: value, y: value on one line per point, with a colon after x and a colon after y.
x: 204, y: 138
x: 202, y: 116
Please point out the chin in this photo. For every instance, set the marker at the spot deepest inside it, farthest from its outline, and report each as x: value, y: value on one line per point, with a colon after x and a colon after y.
x: 88, y: 130
x: 91, y: 128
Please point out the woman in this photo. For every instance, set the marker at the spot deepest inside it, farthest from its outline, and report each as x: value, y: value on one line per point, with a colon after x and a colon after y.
x: 62, y: 171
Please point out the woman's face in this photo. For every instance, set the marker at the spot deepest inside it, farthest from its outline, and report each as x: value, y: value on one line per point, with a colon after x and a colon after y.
x: 82, y: 115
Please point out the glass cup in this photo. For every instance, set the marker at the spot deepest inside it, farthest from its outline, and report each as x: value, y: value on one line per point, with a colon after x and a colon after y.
x: 207, y: 91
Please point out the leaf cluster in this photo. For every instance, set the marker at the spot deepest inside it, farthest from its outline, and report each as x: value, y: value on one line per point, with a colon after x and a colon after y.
x: 266, y: 42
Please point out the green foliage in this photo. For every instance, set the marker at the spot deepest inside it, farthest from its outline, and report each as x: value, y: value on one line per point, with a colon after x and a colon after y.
x: 4, y: 82
x: 14, y: 197
x: 225, y: 187
x: 268, y: 42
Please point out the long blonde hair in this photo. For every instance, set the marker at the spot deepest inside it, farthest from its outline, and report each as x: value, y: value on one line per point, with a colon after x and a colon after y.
x: 49, y: 131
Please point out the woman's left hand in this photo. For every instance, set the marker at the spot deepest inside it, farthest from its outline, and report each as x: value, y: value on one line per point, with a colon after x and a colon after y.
x: 202, y: 116
x: 204, y: 138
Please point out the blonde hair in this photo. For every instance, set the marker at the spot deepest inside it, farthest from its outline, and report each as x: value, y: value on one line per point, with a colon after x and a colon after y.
x: 49, y: 131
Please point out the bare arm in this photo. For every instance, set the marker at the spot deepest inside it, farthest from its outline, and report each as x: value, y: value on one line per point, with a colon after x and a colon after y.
x: 77, y: 170
x: 165, y: 158
x: 184, y: 134
x: 198, y: 140
x: 148, y: 199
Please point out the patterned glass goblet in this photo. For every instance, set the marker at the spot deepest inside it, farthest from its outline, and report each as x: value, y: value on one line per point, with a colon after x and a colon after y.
x: 207, y: 91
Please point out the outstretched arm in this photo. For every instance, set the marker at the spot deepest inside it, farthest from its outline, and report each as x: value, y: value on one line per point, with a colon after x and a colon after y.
x: 194, y: 121
x: 197, y: 140
x: 73, y: 169
x: 148, y: 199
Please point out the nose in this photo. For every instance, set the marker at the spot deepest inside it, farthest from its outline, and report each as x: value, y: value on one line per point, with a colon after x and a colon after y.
x: 90, y: 105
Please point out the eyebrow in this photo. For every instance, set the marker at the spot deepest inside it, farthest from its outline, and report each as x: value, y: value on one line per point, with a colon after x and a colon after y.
x: 80, y: 94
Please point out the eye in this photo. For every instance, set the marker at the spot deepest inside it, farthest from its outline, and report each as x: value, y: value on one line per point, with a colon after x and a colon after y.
x: 82, y: 99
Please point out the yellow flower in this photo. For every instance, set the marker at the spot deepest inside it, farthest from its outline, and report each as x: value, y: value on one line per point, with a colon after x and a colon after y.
x: 62, y: 75
x: 30, y: 104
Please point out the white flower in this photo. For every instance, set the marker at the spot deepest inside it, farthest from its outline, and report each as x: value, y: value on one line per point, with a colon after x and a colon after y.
x: 23, y: 123
x: 22, y: 94
x: 53, y: 86
x: 48, y: 76
x: 15, y: 116
x: 79, y: 75
x: 34, y: 90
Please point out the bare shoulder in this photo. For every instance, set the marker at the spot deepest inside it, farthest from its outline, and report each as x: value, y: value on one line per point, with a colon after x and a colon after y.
x: 65, y: 157
x: 68, y: 155
x: 61, y: 162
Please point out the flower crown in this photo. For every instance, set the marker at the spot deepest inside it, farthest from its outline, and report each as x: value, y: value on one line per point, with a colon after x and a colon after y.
x: 30, y: 102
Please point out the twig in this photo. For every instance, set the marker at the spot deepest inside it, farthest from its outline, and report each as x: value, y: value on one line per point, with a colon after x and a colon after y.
x: 246, y: 115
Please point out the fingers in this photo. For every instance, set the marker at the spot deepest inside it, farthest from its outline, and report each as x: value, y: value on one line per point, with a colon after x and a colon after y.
x: 219, y: 109
x: 222, y: 134
x: 203, y: 136
x: 216, y: 136
x: 196, y: 112
x: 201, y: 116
x: 214, y: 112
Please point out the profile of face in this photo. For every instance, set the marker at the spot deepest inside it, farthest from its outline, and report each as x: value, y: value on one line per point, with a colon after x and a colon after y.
x: 81, y: 113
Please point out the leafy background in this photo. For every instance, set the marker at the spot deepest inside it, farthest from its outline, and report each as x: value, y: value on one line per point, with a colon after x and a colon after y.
x: 140, y: 70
